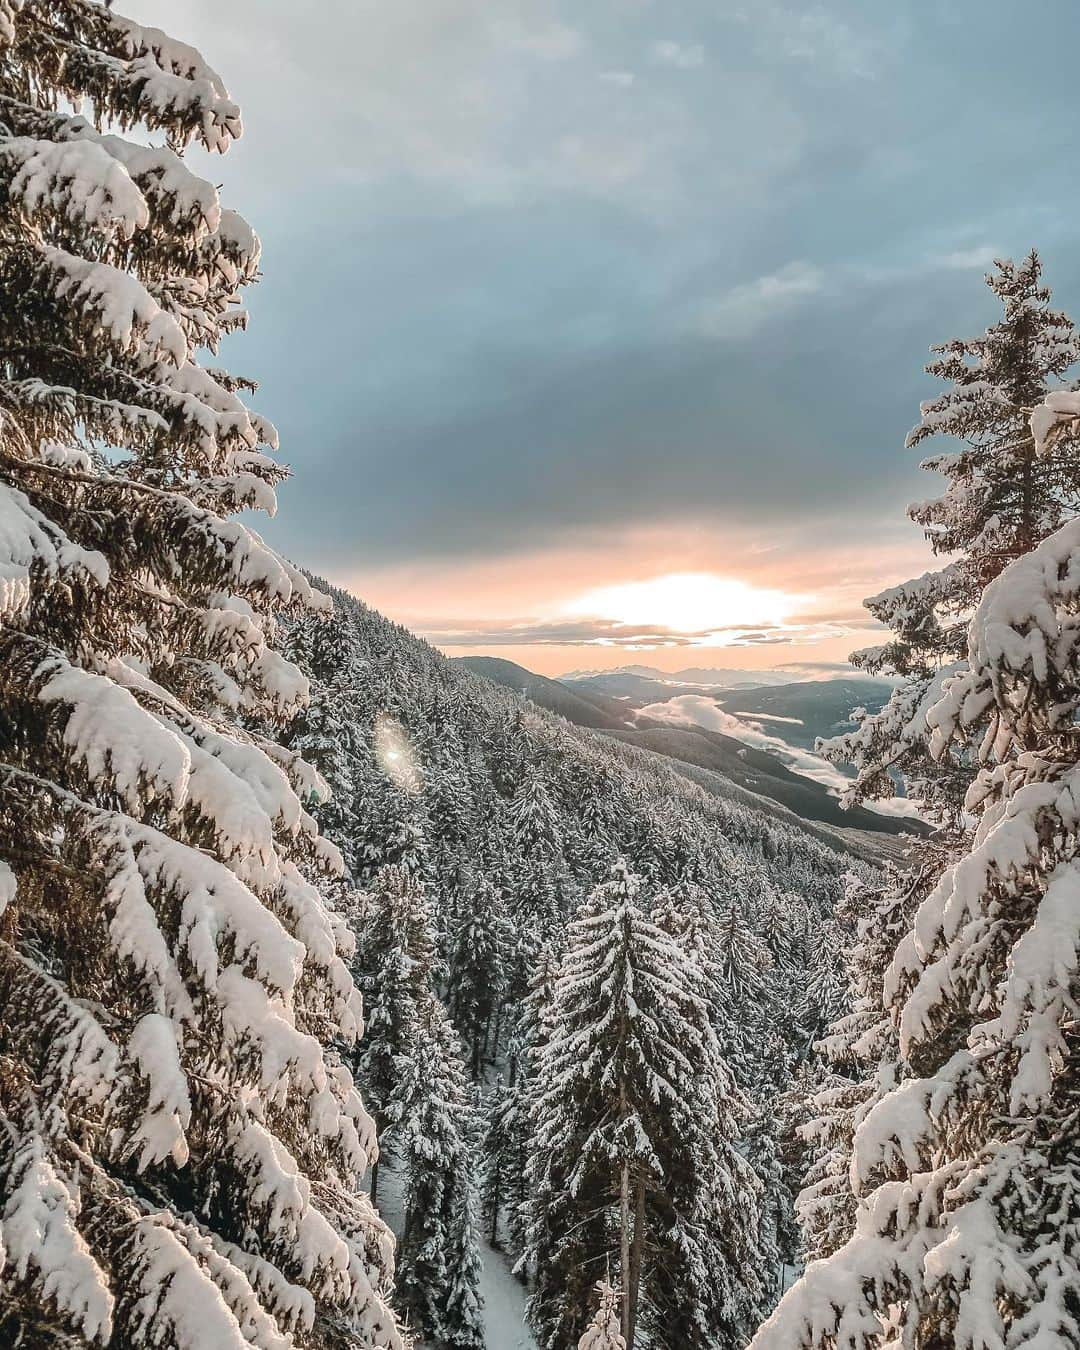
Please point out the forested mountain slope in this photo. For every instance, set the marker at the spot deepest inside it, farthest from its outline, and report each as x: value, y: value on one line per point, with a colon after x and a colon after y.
x: 736, y: 772
x: 461, y: 771
x: 584, y: 710
x: 480, y: 825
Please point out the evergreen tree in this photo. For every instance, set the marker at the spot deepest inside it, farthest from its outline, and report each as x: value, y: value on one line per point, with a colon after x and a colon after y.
x: 500, y: 1137
x: 603, y: 1332
x: 476, y: 975
x: 633, y: 1152
x: 322, y: 733
x: 534, y: 819
x: 439, y: 1281
x: 965, y: 1176
x: 1002, y: 497
x: 745, y: 1009
x: 778, y: 1230
x: 827, y: 995
x: 528, y: 1041
x: 180, y: 1144
x: 390, y: 829
x: 394, y: 962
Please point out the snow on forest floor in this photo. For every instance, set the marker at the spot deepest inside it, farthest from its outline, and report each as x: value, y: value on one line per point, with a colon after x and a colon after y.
x: 504, y: 1297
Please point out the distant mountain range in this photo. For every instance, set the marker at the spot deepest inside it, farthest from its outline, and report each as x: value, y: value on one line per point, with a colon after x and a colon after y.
x: 611, y: 702
x: 714, y: 677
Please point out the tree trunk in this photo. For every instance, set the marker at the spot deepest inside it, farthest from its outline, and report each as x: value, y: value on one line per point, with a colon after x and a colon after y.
x: 496, y: 1198
x: 624, y: 1273
x: 636, y: 1251
x: 494, y: 1042
x: 374, y: 1181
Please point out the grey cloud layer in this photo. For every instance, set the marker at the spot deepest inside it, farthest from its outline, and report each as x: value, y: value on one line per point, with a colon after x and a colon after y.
x: 609, y: 633
x: 537, y: 269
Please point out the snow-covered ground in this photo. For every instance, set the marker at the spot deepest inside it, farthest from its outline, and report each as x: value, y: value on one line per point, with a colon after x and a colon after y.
x: 504, y: 1297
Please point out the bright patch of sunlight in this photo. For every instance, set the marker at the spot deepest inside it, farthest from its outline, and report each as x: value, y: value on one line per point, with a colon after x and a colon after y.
x: 688, y: 602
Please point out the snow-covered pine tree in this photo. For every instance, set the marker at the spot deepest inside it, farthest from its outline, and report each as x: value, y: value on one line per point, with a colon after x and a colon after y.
x: 439, y: 1279
x: 741, y: 977
x: 966, y: 1174
x: 179, y: 1155
x: 535, y: 822
x: 859, y: 1058
x: 323, y: 732
x: 390, y: 827
x: 828, y: 993
x: 511, y: 1144
x: 603, y: 1332
x: 394, y: 961
x: 476, y: 968
x: 499, y: 1139
x: 1002, y: 497
x: 633, y: 1157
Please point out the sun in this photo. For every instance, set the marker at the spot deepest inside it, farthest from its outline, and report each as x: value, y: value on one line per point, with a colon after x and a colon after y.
x: 687, y: 602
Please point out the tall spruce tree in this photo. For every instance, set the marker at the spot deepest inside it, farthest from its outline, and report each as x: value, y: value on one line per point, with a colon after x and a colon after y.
x: 394, y: 963
x: 439, y: 1281
x: 633, y: 1157
x: 530, y: 1036
x: 476, y: 968
x: 179, y: 1153
x: 964, y: 1175
x: 1001, y: 497
x: 322, y: 732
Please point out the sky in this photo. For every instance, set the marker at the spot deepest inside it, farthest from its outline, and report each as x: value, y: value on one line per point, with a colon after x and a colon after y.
x: 593, y: 330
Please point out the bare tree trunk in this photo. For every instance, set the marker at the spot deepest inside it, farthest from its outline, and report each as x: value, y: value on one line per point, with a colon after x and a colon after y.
x: 636, y: 1251
x: 496, y: 1199
x: 624, y: 1273
x: 374, y: 1181
x: 477, y: 1054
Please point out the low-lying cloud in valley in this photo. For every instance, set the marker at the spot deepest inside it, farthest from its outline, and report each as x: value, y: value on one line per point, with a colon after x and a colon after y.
x: 703, y: 711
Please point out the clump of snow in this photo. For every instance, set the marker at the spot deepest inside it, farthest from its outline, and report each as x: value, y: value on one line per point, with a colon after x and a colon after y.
x: 39, y: 1237
x: 29, y: 540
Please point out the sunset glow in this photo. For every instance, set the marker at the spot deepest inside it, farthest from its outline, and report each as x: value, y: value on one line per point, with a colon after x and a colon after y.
x: 688, y: 602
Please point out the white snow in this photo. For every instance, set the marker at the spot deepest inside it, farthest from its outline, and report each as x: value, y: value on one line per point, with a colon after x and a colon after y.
x: 78, y: 179
x: 504, y: 1296
x: 153, y: 1046
x: 119, y: 304
x: 39, y: 1238
x: 28, y: 539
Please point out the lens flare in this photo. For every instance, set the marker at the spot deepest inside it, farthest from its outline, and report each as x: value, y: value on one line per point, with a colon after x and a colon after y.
x: 395, y: 755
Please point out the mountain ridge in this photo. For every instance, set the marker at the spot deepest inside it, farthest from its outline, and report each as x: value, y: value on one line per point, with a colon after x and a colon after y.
x: 751, y: 770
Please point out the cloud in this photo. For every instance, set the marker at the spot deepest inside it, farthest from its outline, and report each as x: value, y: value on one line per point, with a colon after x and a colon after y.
x: 624, y: 79
x: 703, y: 711
x: 741, y: 311
x: 478, y: 102
x: 495, y: 279
x: 550, y: 42
x: 814, y: 36
x: 680, y: 55
x: 982, y: 255
x: 571, y: 633
x: 819, y: 37
x: 600, y: 632
x: 744, y: 308
x: 826, y: 670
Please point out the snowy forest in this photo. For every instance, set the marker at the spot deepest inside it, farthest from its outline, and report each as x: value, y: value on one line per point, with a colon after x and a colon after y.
x: 350, y: 1000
